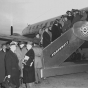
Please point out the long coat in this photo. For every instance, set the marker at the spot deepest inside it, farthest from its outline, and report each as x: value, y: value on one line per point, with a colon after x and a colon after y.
x: 2, y: 66
x: 12, y: 68
x: 18, y: 52
x: 38, y: 56
x: 29, y: 71
x: 56, y: 31
x: 46, y: 39
x: 66, y: 26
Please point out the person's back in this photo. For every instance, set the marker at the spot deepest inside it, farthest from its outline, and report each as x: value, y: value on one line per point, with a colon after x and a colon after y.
x: 46, y: 38
x: 38, y: 62
x: 38, y: 56
x: 56, y: 30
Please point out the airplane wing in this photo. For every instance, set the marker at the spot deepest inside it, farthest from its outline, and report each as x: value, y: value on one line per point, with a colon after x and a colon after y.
x: 6, y: 38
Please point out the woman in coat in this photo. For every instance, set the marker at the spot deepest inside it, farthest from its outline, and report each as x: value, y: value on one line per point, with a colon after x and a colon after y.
x: 28, y: 70
x: 38, y: 62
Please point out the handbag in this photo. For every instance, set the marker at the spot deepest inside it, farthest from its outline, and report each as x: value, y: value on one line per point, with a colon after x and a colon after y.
x: 7, y: 84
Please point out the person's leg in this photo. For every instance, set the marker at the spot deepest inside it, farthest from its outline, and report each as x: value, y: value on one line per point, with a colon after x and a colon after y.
x: 36, y: 75
x: 23, y: 85
x: 25, y: 74
x: 15, y: 81
x: 39, y: 75
x: 29, y: 85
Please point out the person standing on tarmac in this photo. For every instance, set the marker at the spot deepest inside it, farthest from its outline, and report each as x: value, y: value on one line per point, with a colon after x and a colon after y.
x: 2, y: 64
x: 38, y: 62
x: 28, y: 70
x: 24, y: 51
x: 18, y: 52
x: 11, y: 64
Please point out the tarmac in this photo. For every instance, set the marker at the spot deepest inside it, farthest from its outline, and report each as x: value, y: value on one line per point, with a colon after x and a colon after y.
x: 77, y: 80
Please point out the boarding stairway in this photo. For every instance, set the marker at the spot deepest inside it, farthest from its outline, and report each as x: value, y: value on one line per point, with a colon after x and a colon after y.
x: 59, y: 50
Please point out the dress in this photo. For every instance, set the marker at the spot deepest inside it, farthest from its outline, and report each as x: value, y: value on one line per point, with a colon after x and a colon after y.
x: 29, y: 71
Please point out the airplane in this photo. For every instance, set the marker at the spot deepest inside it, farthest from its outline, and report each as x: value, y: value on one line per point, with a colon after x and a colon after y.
x: 57, y: 52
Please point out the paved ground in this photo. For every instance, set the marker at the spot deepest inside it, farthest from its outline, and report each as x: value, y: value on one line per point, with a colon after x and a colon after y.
x: 78, y: 80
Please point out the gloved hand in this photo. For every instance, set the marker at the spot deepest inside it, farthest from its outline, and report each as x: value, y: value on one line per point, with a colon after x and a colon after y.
x: 24, y: 62
x: 7, y: 78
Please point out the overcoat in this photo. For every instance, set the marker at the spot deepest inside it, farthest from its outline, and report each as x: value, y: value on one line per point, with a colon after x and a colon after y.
x: 2, y: 66
x: 38, y: 56
x: 12, y: 67
x: 28, y: 70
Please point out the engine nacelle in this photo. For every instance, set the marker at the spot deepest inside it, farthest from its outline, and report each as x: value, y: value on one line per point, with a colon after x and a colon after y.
x: 80, y: 29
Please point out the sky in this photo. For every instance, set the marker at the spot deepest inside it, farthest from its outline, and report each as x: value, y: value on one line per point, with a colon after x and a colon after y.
x: 20, y: 13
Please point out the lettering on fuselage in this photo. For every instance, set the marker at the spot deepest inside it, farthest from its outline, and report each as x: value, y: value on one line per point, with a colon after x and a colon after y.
x: 59, y: 49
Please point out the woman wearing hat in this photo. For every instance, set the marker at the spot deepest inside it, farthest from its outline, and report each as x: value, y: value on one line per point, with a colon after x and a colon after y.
x: 28, y: 70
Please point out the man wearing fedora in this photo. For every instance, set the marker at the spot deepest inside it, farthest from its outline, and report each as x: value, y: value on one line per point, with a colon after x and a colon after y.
x: 12, y: 68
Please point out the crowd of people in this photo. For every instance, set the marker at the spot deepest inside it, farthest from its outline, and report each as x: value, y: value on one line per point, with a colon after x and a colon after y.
x: 20, y: 64
x: 48, y: 34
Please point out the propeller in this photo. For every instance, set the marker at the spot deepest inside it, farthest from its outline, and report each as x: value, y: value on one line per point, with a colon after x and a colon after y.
x: 80, y: 30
